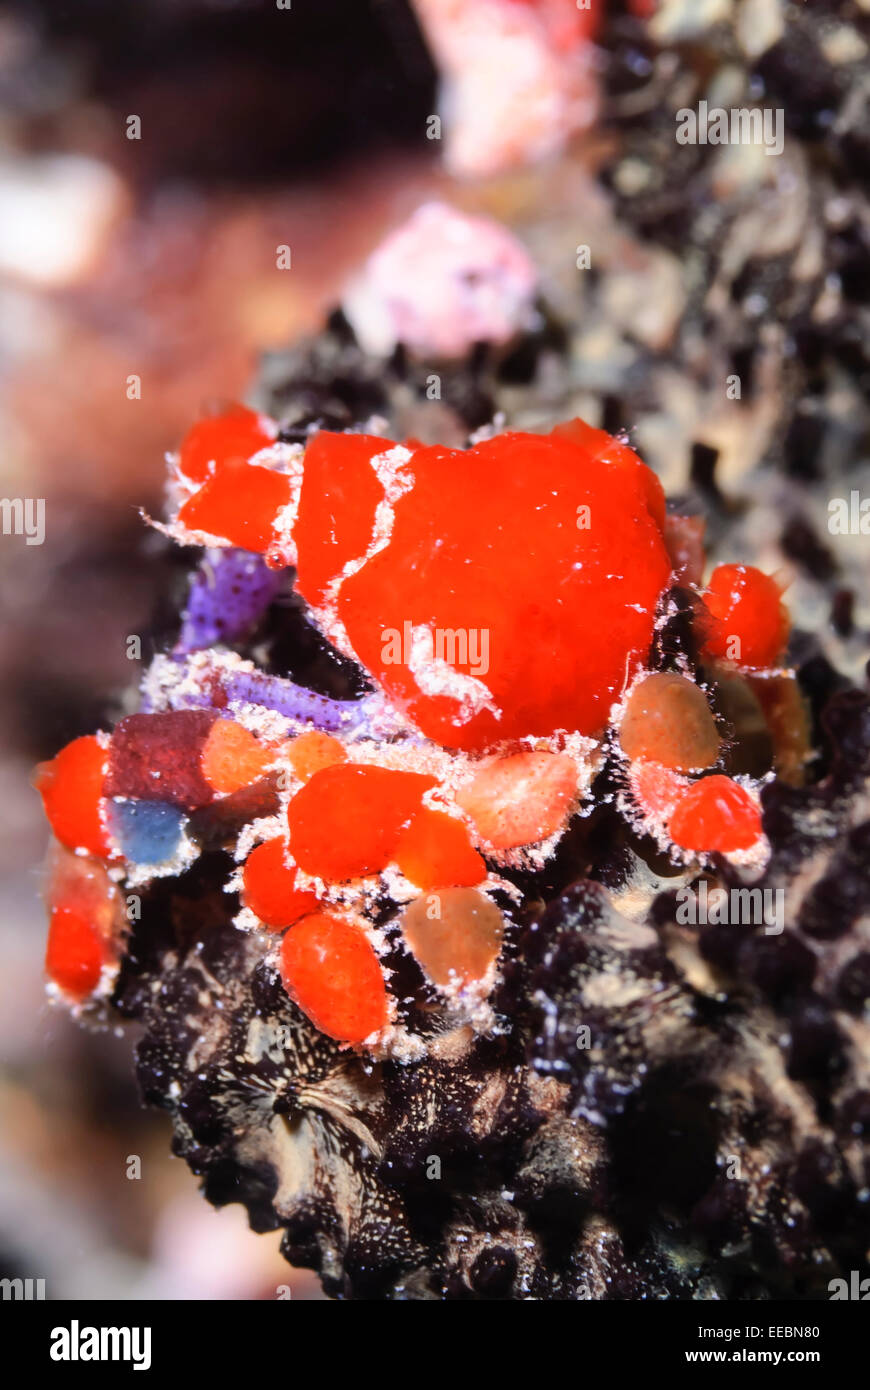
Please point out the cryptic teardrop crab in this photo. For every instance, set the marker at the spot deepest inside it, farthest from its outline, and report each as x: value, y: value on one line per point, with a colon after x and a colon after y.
x: 503, y: 601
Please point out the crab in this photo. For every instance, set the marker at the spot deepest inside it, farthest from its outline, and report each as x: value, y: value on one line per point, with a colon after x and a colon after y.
x: 503, y: 602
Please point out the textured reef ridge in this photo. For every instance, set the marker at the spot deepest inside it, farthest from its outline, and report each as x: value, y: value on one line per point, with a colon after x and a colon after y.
x: 395, y: 878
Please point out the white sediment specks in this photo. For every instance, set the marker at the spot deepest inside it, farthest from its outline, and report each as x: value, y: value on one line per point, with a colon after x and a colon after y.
x: 286, y: 459
x: 396, y: 479
x: 435, y: 676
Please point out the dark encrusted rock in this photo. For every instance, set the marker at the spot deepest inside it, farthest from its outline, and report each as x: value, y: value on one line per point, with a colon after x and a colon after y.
x: 661, y: 1111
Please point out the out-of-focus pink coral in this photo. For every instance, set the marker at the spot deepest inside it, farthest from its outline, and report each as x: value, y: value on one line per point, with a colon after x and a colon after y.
x: 517, y: 78
x: 440, y: 283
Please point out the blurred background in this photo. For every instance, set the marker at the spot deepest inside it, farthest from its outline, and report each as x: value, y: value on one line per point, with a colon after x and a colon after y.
x: 154, y: 156
x: 153, y: 256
